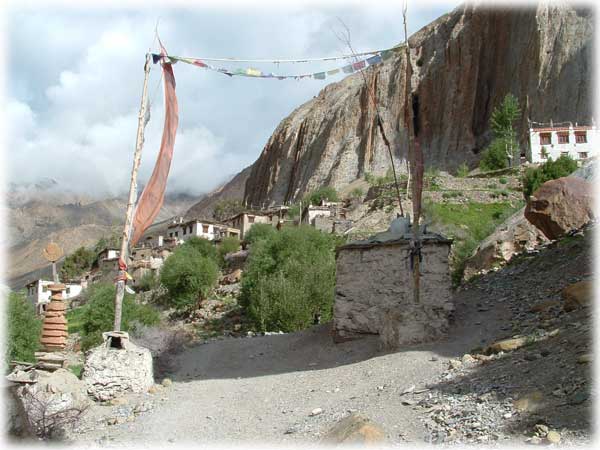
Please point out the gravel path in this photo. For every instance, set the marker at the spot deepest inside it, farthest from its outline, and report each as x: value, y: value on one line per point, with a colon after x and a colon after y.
x: 269, y: 388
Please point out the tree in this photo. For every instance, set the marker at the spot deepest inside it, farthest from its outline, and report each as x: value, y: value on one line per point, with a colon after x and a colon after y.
x: 225, y: 209
x: 204, y: 247
x: 229, y: 244
x: 188, y: 275
x: 77, y: 262
x: 550, y: 170
x: 290, y: 279
x: 504, y: 146
x: 99, y: 312
x: 259, y: 231
x: 23, y: 337
x: 323, y: 193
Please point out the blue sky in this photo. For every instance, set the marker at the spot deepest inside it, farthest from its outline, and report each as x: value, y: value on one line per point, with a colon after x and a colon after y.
x: 74, y: 82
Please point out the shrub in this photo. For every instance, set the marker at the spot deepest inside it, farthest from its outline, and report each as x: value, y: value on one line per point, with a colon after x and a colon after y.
x: 357, y: 193
x: 99, y: 313
x: 229, y: 244
x: 23, y: 337
x: 187, y: 275
x: 462, y: 171
x: 495, y: 156
x: 550, y: 170
x: 76, y: 263
x: 502, y: 180
x: 294, y: 211
x: 225, y: 209
x: 468, y: 224
x: 290, y: 279
x: 148, y: 282
x: 258, y: 232
x: 323, y: 193
x: 204, y: 247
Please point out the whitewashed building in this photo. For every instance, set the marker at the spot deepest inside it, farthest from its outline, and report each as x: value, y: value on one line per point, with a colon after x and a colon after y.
x: 578, y: 142
x: 212, y: 231
x: 39, y: 294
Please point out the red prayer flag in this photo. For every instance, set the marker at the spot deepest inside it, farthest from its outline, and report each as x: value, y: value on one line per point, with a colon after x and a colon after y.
x: 153, y: 195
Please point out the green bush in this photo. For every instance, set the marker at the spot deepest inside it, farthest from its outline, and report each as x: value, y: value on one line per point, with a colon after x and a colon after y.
x: 462, y: 171
x: 187, y: 275
x: 550, y: 170
x: 148, y: 282
x: 357, y: 193
x: 225, y: 209
x: 293, y: 211
x: 323, y: 193
x: 99, y: 314
x: 229, y: 244
x: 290, y: 279
x: 468, y: 224
x: 502, y: 180
x: 259, y: 231
x: 495, y: 156
x: 23, y: 337
x: 76, y: 263
x: 204, y: 247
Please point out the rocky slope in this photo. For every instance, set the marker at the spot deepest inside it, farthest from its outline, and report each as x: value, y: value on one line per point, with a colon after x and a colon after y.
x: 466, y: 62
x: 37, y: 215
x: 233, y: 189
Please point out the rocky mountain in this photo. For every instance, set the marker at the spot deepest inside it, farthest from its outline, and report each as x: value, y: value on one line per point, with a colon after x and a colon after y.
x: 37, y: 214
x: 233, y: 189
x: 466, y: 62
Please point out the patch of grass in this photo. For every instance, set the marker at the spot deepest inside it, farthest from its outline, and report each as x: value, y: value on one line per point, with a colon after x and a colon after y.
x: 76, y: 319
x: 452, y: 194
x: 76, y: 369
x: 468, y: 224
x: 502, y: 180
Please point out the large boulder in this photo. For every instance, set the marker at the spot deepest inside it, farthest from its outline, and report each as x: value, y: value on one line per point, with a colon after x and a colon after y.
x: 354, y: 430
x: 514, y: 236
x: 116, y: 367
x: 560, y: 206
x: 50, y: 402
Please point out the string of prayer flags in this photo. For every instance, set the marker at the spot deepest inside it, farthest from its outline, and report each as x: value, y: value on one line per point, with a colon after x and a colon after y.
x: 376, y: 58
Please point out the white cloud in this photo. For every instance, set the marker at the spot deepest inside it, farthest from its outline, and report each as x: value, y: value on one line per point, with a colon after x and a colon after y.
x: 75, y: 84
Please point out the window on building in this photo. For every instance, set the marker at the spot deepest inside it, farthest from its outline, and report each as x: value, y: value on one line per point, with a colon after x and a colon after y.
x: 184, y: 231
x: 191, y: 229
x: 250, y: 219
x: 564, y: 153
x: 44, y: 288
x: 581, y: 137
x: 170, y: 234
x: 563, y: 138
x: 68, y: 290
x: 177, y: 234
x: 545, y: 138
x: 583, y: 155
x: 205, y: 228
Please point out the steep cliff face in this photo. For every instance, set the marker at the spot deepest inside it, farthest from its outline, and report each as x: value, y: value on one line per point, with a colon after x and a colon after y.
x: 465, y: 62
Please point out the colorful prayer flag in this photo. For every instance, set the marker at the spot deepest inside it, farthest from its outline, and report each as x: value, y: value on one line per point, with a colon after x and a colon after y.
x: 374, y: 60
x: 348, y: 69
x: 319, y: 76
x: 333, y: 72
x: 358, y: 65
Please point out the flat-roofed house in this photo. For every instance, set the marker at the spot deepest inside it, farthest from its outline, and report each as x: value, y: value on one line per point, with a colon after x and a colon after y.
x: 579, y: 142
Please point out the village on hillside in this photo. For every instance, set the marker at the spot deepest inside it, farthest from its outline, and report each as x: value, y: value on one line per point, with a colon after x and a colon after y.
x: 408, y: 262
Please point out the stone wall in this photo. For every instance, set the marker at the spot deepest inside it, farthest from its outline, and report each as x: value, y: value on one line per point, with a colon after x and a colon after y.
x: 374, y: 294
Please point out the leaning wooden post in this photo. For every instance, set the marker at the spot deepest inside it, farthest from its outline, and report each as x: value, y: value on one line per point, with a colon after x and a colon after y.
x: 123, y: 256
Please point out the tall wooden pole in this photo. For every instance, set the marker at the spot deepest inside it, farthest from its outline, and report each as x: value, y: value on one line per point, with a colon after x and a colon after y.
x: 122, y: 277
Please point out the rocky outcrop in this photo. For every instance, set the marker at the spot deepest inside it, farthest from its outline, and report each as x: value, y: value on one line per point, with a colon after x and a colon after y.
x: 560, y: 206
x: 466, y: 62
x: 514, y: 236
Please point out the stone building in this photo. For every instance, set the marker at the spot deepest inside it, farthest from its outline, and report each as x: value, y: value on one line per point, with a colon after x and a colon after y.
x: 374, y: 289
x: 244, y: 221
